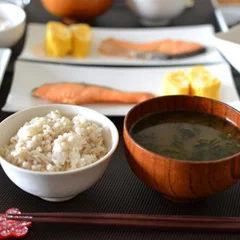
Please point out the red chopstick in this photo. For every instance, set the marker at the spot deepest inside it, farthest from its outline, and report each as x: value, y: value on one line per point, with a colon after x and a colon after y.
x: 163, y: 222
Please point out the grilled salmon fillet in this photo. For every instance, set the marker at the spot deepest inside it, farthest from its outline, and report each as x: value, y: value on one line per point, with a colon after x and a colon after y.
x: 78, y: 93
x: 169, y: 48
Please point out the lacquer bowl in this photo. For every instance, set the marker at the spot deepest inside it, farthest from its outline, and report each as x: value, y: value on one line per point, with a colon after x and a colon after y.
x: 177, y: 180
x: 77, y: 10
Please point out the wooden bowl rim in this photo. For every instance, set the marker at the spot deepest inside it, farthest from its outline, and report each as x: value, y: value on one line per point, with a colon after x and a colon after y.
x: 173, y: 159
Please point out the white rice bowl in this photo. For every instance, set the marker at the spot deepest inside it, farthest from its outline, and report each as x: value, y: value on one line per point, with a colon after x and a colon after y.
x: 64, y: 184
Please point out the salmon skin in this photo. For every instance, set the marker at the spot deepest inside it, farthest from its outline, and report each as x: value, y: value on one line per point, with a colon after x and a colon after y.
x: 80, y: 93
x: 163, y: 49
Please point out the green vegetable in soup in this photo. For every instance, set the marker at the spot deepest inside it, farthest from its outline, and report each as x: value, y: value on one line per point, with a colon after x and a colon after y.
x: 187, y: 135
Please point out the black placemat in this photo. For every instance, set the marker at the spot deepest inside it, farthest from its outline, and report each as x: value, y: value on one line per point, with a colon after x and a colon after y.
x: 119, y: 191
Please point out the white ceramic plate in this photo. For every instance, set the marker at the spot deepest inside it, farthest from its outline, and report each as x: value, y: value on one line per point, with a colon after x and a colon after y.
x: 28, y: 76
x: 228, y: 43
x: 231, y: 13
x: 204, y: 34
x: 5, y: 54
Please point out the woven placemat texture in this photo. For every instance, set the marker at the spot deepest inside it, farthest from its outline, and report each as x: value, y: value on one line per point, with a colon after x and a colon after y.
x: 119, y: 191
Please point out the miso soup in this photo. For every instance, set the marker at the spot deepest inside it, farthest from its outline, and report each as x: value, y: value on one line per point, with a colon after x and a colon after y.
x: 187, y: 135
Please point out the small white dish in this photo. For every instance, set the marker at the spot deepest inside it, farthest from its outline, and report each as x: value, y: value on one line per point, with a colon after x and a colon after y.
x: 57, y: 186
x: 5, y: 54
x: 156, y: 12
x: 12, y: 24
x: 35, y: 37
x: 28, y: 76
x: 20, y: 3
x: 228, y: 43
x: 231, y: 13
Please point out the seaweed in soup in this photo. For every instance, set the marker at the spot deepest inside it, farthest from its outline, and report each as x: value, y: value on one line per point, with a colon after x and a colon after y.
x: 187, y: 135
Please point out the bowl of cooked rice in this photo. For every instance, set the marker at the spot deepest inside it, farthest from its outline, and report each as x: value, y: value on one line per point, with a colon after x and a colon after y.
x: 56, y: 151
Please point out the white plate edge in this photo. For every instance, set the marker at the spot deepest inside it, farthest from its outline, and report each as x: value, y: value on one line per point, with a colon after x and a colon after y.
x: 97, y: 63
x: 225, y: 64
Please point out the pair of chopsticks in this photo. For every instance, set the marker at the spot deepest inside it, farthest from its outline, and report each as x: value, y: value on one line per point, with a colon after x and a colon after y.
x: 162, y: 222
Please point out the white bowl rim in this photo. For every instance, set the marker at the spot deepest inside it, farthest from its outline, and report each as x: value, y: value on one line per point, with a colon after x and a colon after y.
x: 105, y: 157
x: 18, y: 9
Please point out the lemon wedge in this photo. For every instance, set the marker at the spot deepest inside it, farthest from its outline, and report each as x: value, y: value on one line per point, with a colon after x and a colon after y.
x: 81, y: 39
x: 202, y: 83
x: 58, y: 42
x: 176, y: 83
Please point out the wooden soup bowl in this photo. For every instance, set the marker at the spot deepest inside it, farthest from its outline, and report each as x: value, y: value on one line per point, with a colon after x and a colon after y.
x: 177, y: 180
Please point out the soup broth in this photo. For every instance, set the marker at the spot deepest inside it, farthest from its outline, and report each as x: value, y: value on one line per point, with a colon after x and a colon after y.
x: 187, y: 135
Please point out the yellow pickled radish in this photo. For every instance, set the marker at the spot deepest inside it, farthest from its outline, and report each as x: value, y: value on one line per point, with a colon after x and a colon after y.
x: 58, y: 42
x: 81, y: 39
x: 176, y: 83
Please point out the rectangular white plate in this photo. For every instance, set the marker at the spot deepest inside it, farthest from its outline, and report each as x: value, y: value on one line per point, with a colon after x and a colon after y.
x: 5, y: 54
x: 204, y: 34
x: 28, y: 76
